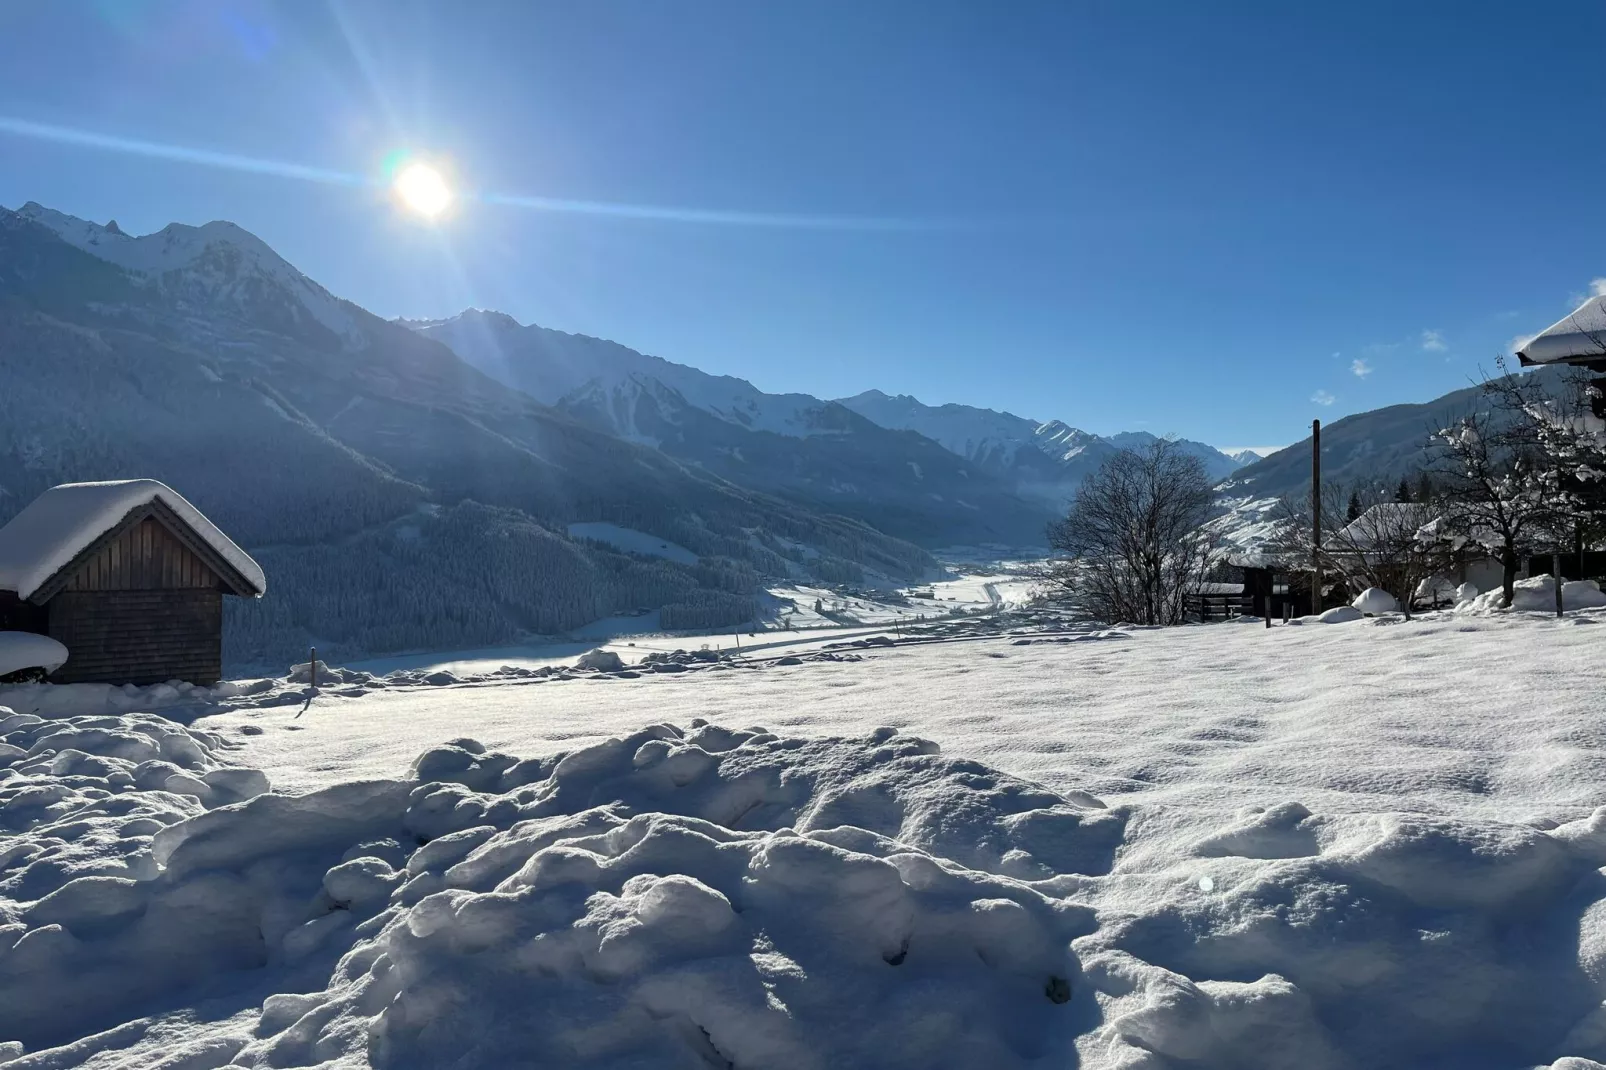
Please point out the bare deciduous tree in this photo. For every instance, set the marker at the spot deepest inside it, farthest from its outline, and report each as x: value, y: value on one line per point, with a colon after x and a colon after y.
x: 1499, y: 484
x: 1133, y: 535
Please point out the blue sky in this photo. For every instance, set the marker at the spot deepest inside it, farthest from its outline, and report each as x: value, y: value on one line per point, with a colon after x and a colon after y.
x: 1213, y: 219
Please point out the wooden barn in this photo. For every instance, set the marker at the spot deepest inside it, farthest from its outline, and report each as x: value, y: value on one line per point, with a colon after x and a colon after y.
x: 127, y: 575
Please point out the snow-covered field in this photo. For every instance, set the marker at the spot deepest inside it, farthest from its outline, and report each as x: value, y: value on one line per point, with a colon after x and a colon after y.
x: 1365, y: 845
x: 790, y: 621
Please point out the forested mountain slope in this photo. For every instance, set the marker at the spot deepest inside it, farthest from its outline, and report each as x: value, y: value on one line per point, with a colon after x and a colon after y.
x: 397, y: 497
x: 1376, y: 447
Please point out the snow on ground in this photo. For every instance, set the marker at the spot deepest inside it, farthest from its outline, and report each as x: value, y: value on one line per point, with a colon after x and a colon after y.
x: 988, y: 589
x: 790, y: 623
x: 632, y: 541
x: 1368, y: 845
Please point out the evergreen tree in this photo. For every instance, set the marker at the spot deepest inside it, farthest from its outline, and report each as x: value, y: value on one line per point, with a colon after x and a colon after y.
x: 1424, y: 487
x: 1403, y: 493
x: 1353, y: 511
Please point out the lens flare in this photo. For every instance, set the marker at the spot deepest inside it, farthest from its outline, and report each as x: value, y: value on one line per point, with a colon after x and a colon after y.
x: 422, y: 189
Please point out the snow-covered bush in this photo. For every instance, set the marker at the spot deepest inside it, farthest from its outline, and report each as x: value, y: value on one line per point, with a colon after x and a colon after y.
x: 1341, y: 615
x: 1374, y: 601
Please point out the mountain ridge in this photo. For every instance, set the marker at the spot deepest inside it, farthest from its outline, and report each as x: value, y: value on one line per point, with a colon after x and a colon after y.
x: 606, y: 384
x: 806, y: 449
x: 399, y: 497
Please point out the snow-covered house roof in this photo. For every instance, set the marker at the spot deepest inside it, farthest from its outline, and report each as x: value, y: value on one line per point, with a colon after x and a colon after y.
x: 1383, y: 522
x: 65, y: 521
x: 1579, y: 338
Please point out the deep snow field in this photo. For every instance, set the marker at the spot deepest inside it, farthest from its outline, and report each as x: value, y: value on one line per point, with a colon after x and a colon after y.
x: 1364, y: 845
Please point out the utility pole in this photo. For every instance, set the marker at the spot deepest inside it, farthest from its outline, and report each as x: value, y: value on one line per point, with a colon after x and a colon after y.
x: 1316, y: 516
x: 1555, y: 572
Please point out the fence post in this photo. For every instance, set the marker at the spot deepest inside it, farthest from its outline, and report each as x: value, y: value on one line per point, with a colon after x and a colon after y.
x: 312, y: 668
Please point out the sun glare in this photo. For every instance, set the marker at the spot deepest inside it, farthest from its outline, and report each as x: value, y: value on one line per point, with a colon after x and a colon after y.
x: 422, y: 189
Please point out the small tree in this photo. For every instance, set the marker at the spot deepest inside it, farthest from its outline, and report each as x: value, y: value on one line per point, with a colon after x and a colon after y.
x: 1353, y: 511
x: 1133, y: 535
x: 1497, y: 485
x: 1403, y: 492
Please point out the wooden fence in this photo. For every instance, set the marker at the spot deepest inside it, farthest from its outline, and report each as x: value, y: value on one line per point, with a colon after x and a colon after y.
x: 1209, y: 606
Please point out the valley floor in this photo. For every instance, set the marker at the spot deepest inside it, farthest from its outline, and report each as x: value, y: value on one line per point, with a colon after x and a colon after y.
x: 1372, y: 844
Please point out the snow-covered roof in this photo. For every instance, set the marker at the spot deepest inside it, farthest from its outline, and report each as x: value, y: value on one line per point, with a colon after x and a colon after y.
x: 1384, y: 520
x: 62, y: 522
x: 1576, y: 338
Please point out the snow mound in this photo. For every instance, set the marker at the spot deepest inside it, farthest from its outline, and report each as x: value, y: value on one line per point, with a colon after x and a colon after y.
x: 1379, y: 940
x: 1538, y: 595
x: 74, y: 700
x: 600, y: 660
x: 1375, y: 601
x: 1341, y: 615
x: 671, y: 898
x: 25, y: 650
x: 81, y: 802
x: 1436, y: 591
x: 1466, y: 593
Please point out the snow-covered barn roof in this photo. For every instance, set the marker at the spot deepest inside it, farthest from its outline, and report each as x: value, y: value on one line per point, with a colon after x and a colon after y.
x: 64, y: 521
x: 1579, y: 338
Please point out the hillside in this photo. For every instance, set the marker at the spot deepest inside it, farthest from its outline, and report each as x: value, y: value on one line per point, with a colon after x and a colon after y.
x: 1378, y: 447
x: 820, y: 454
x: 397, y: 496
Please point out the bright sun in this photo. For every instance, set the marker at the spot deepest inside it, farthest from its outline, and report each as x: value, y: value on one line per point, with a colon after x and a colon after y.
x: 422, y: 189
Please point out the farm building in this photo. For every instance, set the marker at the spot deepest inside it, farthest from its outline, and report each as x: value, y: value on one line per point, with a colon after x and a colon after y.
x: 127, y: 575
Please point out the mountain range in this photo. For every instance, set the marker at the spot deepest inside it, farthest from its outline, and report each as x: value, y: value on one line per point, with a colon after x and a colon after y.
x: 453, y: 483
x: 933, y: 474
x: 397, y: 497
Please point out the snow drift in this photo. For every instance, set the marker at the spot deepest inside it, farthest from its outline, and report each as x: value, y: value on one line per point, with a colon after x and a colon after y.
x: 671, y: 898
x: 1538, y: 595
x: 706, y: 896
x: 20, y: 651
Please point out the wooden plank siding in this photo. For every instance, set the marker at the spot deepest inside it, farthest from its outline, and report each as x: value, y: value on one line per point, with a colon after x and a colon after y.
x: 139, y: 636
x: 146, y: 556
x: 141, y: 606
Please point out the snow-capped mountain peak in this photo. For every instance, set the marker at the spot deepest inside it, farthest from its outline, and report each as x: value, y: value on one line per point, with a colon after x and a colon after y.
x: 215, y: 265
x: 1046, y: 460
x: 552, y: 366
x: 1059, y: 439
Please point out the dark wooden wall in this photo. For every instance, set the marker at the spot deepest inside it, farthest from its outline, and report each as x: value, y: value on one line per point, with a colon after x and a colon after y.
x: 139, y: 637
x: 143, y: 609
x: 146, y: 557
x: 20, y: 615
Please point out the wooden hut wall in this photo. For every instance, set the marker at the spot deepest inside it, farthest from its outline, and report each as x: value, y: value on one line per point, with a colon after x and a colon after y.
x: 142, y: 609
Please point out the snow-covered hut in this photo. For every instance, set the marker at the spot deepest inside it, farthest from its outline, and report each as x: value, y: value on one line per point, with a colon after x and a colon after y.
x: 1578, y: 339
x: 129, y: 576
